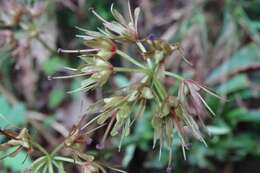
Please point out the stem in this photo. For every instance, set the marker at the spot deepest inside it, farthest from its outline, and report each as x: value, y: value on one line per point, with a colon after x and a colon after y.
x: 77, y: 51
x: 160, y: 87
x: 50, y: 166
x: 129, y: 58
x: 67, y: 77
x: 125, y: 69
x: 108, y: 129
x: 40, y: 148
x: 65, y: 159
x: 160, y: 95
x: 57, y: 149
x: 174, y: 75
x: 142, y: 48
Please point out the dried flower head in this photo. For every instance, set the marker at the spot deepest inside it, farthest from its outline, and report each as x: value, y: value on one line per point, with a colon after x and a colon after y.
x: 79, y: 133
x: 158, y: 49
x: 121, y: 29
x: 100, y: 43
x: 19, y: 141
x: 106, y: 46
x: 96, y: 68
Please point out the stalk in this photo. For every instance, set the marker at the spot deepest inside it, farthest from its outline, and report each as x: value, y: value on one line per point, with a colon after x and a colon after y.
x: 57, y: 149
x: 174, y: 75
x: 160, y: 87
x: 142, y: 48
x: 130, y: 70
x: 77, y: 51
x: 69, y: 160
x: 130, y: 59
x: 40, y: 148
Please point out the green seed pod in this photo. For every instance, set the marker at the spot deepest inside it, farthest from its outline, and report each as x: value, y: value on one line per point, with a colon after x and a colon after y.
x: 147, y: 93
x: 105, y: 54
x: 116, y: 128
x: 158, y: 56
x: 133, y: 96
x: 165, y: 110
x: 124, y: 111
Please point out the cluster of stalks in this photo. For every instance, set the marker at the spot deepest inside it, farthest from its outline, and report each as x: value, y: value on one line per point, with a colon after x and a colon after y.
x: 182, y: 113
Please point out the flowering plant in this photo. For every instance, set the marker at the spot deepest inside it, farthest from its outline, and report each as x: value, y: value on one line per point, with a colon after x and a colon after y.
x: 183, y: 112
x: 179, y: 112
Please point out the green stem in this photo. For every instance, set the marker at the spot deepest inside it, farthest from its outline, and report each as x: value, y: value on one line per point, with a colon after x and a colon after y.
x: 142, y: 48
x: 66, y: 159
x: 161, y: 87
x: 174, y: 75
x: 129, y: 58
x: 125, y: 69
x: 159, y: 93
x: 40, y: 148
x: 57, y: 149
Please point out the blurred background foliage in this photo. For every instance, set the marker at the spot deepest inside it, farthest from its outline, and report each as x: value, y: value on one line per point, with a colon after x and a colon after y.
x: 220, y: 37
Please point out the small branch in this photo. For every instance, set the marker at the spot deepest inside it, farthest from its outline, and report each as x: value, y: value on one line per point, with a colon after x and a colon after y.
x: 125, y: 69
x: 130, y: 59
x: 174, y: 75
x: 40, y: 148
x: 57, y: 149
x: 142, y: 48
x: 76, y: 51
x: 161, y: 87
x: 69, y: 160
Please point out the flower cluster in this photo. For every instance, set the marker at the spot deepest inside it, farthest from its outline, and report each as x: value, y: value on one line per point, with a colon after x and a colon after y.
x: 19, y: 141
x: 50, y: 162
x: 98, y: 70
x: 121, y: 29
x: 183, y: 113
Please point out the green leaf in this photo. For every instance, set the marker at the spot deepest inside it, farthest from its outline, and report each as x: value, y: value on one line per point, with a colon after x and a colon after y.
x: 59, y: 166
x: 255, y: 25
x: 53, y: 65
x: 198, y: 156
x: 244, y: 115
x: 234, y: 84
x: 55, y: 98
x: 246, y: 56
x: 50, y: 167
x: 38, y: 164
x: 15, y: 163
x: 75, y: 85
x: 14, y: 114
x: 218, y: 130
x: 229, y: 33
